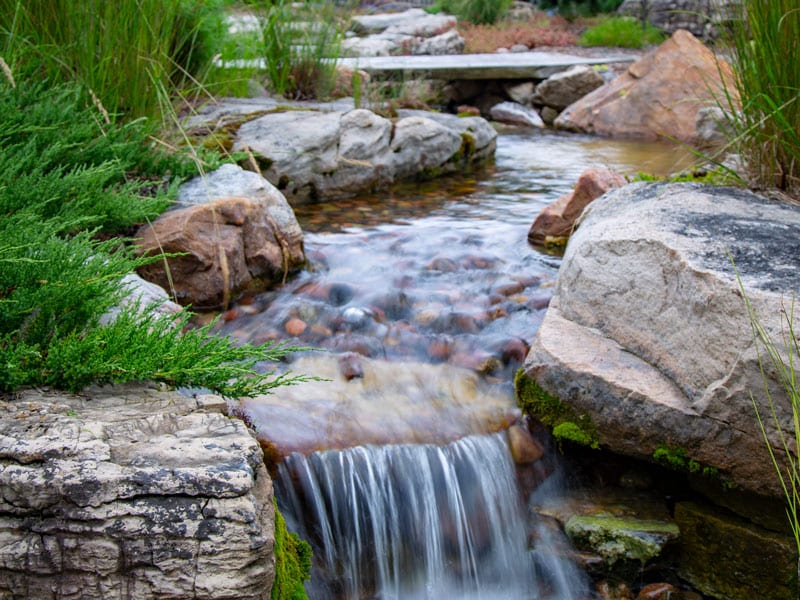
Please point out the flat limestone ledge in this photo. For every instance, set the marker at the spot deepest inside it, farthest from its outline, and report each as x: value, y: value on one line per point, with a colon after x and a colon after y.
x: 131, y: 492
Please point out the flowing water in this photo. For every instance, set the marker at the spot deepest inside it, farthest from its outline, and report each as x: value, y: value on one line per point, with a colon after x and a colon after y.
x: 439, y: 274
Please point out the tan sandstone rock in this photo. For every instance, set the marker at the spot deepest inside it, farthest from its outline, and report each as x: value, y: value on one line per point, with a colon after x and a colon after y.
x: 225, y: 246
x: 647, y: 340
x: 658, y: 96
x: 555, y: 223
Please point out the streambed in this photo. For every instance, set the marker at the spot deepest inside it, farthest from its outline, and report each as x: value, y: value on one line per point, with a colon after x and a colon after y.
x: 414, y: 294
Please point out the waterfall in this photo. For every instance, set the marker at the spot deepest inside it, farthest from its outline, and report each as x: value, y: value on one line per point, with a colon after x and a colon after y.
x: 418, y: 522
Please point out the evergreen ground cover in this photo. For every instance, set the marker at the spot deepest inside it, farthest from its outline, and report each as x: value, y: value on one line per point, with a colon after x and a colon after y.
x: 68, y: 180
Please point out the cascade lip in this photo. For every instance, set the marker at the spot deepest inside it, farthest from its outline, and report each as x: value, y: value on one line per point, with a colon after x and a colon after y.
x: 393, y: 403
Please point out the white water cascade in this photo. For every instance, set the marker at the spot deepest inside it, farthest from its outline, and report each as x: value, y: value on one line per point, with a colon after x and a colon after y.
x: 420, y: 522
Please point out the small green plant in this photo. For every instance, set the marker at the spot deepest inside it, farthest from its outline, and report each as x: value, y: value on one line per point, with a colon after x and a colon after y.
x: 565, y: 422
x: 572, y: 432
x: 624, y: 32
x: 763, y: 103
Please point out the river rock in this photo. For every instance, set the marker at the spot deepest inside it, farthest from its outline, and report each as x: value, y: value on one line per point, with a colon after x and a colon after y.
x: 313, y: 156
x: 382, y: 21
x: 555, y: 223
x: 562, y: 89
x: 131, y: 492
x: 658, y: 96
x: 443, y: 44
x: 410, y: 32
x: 225, y: 247
x: 626, y: 529
x: 142, y: 295
x: 515, y: 114
x: 647, y: 344
x: 233, y: 181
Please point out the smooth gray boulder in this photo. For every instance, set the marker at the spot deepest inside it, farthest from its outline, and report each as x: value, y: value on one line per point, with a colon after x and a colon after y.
x: 313, y: 156
x: 647, y: 343
x: 515, y: 114
x: 562, y: 89
x: 131, y: 492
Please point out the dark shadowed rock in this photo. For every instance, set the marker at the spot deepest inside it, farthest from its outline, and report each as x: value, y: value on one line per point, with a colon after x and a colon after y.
x: 562, y: 89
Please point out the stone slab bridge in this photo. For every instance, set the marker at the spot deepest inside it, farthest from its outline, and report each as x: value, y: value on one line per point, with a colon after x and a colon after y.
x: 522, y: 65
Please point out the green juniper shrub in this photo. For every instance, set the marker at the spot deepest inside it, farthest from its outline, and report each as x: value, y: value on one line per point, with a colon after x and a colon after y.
x: 64, y: 174
x: 59, y: 159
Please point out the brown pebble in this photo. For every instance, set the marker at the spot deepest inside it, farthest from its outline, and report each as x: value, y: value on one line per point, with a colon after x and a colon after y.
x: 350, y: 366
x: 524, y: 448
x: 657, y: 591
x: 439, y: 349
x: 295, y: 327
x: 230, y: 315
x: 321, y: 330
x: 509, y: 288
x: 514, y: 350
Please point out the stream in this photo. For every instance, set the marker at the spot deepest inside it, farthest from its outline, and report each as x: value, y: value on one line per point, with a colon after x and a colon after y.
x: 425, y: 298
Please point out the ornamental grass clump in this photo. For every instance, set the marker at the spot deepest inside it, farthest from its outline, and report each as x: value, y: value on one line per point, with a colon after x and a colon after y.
x: 124, y: 53
x: 765, y: 42
x: 779, y: 360
x: 301, y: 47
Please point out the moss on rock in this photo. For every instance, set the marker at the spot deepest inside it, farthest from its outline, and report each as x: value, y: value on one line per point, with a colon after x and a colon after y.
x: 621, y: 538
x: 564, y: 421
x: 292, y: 563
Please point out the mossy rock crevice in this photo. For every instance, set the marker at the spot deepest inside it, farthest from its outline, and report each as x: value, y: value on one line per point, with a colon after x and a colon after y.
x: 564, y: 421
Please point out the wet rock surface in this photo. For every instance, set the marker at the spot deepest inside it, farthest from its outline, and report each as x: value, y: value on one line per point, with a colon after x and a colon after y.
x: 647, y: 325
x: 625, y: 529
x: 555, y: 223
x: 131, y: 492
x: 367, y: 401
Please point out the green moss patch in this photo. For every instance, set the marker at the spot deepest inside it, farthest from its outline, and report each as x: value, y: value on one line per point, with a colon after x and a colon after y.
x: 292, y: 563
x: 678, y: 460
x: 565, y: 422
